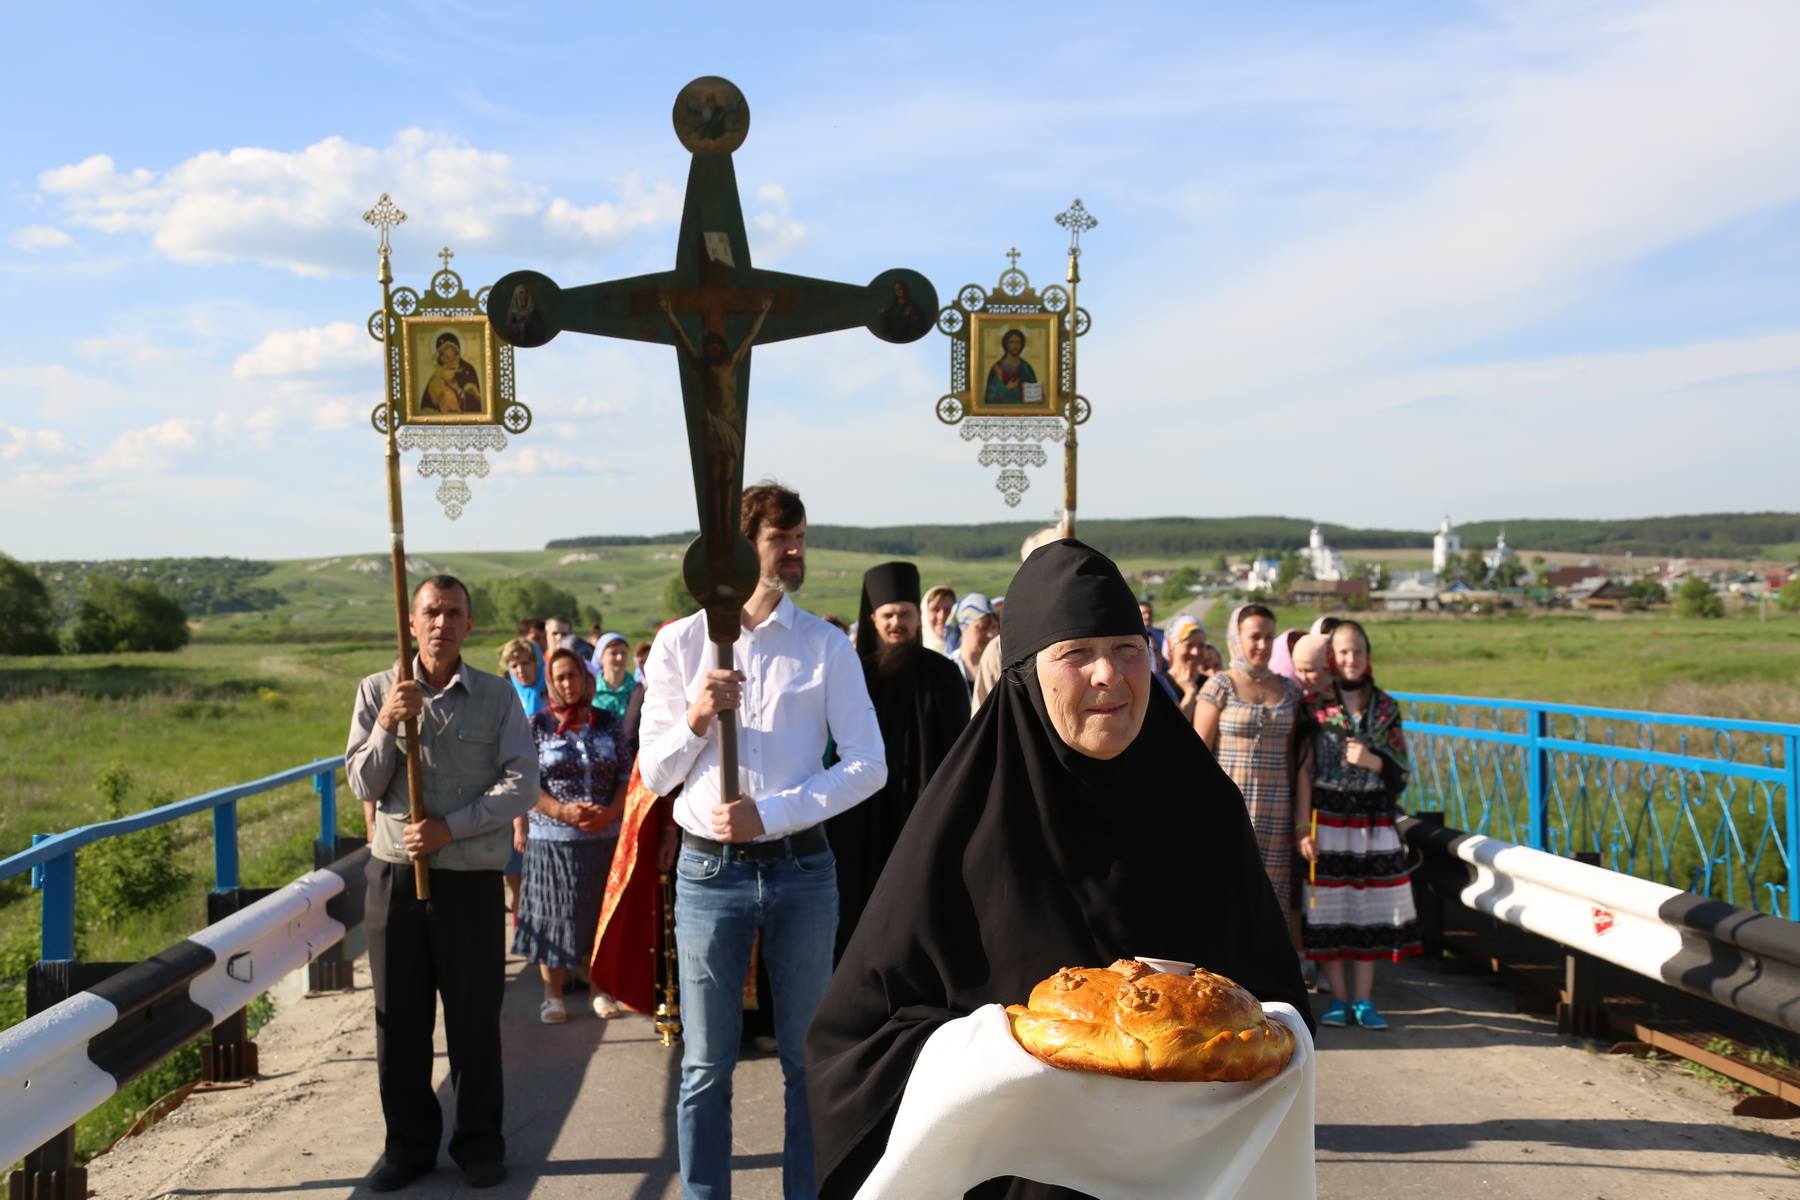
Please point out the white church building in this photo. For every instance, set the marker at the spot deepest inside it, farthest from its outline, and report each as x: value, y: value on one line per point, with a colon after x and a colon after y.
x: 1446, y: 547
x: 1322, y: 562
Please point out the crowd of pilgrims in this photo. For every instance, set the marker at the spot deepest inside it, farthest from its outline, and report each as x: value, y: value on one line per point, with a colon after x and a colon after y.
x: 944, y: 802
x: 1295, y: 720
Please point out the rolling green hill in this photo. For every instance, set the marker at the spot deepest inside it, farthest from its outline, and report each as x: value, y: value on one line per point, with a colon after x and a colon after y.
x: 628, y: 577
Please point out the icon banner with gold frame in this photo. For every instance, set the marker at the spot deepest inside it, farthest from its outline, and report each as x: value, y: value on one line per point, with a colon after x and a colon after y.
x: 449, y: 370
x: 1015, y: 360
x: 450, y: 386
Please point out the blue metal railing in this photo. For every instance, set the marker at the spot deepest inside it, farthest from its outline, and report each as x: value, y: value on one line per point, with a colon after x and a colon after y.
x: 1705, y: 804
x: 51, y: 859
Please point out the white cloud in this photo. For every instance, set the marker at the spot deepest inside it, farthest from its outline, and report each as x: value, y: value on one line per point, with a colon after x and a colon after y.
x: 150, y: 450
x: 298, y: 210
x: 17, y: 443
x: 33, y: 238
x: 530, y: 460
x: 1636, y: 132
x: 138, y: 351
x: 339, y: 346
x: 332, y: 415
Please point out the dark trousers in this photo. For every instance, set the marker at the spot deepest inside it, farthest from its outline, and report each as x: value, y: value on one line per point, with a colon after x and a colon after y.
x: 453, y: 947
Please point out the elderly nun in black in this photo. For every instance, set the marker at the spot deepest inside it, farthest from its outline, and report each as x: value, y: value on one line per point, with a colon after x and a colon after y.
x: 1025, y: 854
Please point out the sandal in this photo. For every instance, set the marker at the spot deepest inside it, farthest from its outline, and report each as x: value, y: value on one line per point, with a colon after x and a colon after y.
x: 552, y: 1012
x: 605, y: 1007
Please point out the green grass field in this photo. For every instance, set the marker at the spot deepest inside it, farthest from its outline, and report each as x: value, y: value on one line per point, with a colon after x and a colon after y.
x: 225, y: 711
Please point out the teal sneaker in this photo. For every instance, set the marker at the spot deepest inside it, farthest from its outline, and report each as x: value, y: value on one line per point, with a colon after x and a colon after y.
x: 1336, y: 1015
x: 1367, y: 1017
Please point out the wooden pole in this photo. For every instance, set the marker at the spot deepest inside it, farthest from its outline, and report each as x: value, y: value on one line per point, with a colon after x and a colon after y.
x: 403, y: 673
x: 728, y: 742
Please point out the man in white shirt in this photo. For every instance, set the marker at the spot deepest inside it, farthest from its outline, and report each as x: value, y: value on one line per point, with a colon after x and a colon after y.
x: 755, y: 857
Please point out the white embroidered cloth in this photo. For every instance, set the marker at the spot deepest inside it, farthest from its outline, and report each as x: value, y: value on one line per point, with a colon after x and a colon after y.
x: 978, y: 1106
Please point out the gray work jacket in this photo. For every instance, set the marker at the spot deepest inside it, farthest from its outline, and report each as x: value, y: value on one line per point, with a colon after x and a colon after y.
x: 480, y: 766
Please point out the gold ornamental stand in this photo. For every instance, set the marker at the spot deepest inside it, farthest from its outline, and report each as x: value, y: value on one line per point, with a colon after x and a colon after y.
x: 1011, y: 433
x: 414, y: 329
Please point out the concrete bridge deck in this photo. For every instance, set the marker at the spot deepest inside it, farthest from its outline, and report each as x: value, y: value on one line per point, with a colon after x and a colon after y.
x: 1464, y: 1097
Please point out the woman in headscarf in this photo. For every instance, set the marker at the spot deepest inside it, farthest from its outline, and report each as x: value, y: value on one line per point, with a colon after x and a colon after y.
x: 574, y: 827
x: 1185, y: 639
x: 979, y: 623
x: 922, y: 706
x: 1248, y: 717
x: 1040, y: 843
x: 523, y: 665
x: 1281, y: 655
x: 1359, y: 906
x: 612, y: 682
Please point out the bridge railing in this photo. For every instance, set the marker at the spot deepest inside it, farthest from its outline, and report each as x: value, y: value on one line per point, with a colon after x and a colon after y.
x: 52, y: 863
x: 1705, y: 804
x: 91, y: 1027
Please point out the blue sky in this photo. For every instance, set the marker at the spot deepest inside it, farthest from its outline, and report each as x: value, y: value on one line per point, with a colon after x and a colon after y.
x: 1359, y: 262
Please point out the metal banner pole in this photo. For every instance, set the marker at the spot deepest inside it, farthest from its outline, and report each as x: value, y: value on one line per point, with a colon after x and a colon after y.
x: 1077, y: 220
x: 385, y: 216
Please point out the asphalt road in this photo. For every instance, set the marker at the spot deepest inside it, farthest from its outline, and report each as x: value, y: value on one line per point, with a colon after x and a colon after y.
x: 1463, y: 1097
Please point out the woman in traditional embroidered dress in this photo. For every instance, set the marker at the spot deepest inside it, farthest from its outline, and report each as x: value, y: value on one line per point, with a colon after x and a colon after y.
x: 1247, y: 716
x: 1359, y: 906
x: 574, y: 828
x: 613, y: 685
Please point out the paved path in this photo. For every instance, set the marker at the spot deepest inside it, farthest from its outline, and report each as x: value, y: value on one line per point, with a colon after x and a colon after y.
x: 1462, y: 1098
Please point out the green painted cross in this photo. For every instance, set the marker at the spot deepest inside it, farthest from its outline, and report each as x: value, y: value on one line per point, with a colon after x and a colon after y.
x: 712, y: 307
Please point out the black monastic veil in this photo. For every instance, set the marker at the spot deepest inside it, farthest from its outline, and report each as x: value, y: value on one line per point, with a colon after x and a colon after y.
x: 1023, y: 856
x: 922, y: 706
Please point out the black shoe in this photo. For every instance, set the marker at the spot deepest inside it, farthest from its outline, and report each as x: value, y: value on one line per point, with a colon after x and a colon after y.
x: 391, y: 1175
x: 484, y: 1175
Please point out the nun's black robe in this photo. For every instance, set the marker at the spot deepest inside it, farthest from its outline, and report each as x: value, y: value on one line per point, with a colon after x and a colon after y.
x: 922, y: 705
x: 1023, y: 856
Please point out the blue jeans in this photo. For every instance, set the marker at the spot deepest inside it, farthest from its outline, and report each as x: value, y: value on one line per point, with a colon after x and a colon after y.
x: 720, y: 903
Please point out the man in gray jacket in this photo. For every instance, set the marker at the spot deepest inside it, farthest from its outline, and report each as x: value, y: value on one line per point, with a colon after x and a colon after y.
x: 480, y: 771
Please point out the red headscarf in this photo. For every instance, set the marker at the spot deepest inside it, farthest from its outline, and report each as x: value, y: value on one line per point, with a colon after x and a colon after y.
x: 571, y: 712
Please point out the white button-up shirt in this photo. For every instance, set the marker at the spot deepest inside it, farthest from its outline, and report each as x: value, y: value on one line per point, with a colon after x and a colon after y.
x: 805, y: 685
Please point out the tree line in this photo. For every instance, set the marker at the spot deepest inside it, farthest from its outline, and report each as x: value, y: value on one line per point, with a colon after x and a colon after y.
x: 111, y: 615
x: 1706, y: 535
x: 1134, y: 538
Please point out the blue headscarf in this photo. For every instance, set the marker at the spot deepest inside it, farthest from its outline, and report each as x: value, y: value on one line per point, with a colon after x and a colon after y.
x: 534, y: 697
x: 971, y: 609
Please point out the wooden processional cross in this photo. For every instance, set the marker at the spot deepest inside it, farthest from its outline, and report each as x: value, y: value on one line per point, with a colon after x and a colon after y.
x: 712, y: 308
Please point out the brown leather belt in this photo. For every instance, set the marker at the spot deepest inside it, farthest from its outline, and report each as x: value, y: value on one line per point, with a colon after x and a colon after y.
x: 796, y: 845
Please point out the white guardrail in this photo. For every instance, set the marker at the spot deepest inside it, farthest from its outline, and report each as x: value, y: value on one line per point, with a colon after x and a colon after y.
x: 50, y: 1075
x: 1745, y: 960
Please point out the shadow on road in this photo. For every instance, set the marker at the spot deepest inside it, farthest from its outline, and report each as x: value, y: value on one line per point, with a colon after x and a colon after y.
x: 1598, y: 1133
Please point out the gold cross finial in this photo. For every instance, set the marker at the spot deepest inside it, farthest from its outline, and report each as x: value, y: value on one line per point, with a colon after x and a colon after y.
x: 444, y: 256
x: 1012, y: 256
x: 1077, y: 220
x: 384, y: 216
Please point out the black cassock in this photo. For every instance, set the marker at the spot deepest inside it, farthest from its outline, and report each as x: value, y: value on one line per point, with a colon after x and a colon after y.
x: 922, y: 706
x: 1023, y: 856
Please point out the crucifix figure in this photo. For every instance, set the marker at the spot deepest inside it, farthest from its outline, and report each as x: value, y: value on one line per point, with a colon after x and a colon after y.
x: 712, y: 308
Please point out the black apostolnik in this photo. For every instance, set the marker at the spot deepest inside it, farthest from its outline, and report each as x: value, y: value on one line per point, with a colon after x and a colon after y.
x: 922, y: 706
x: 1024, y: 855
